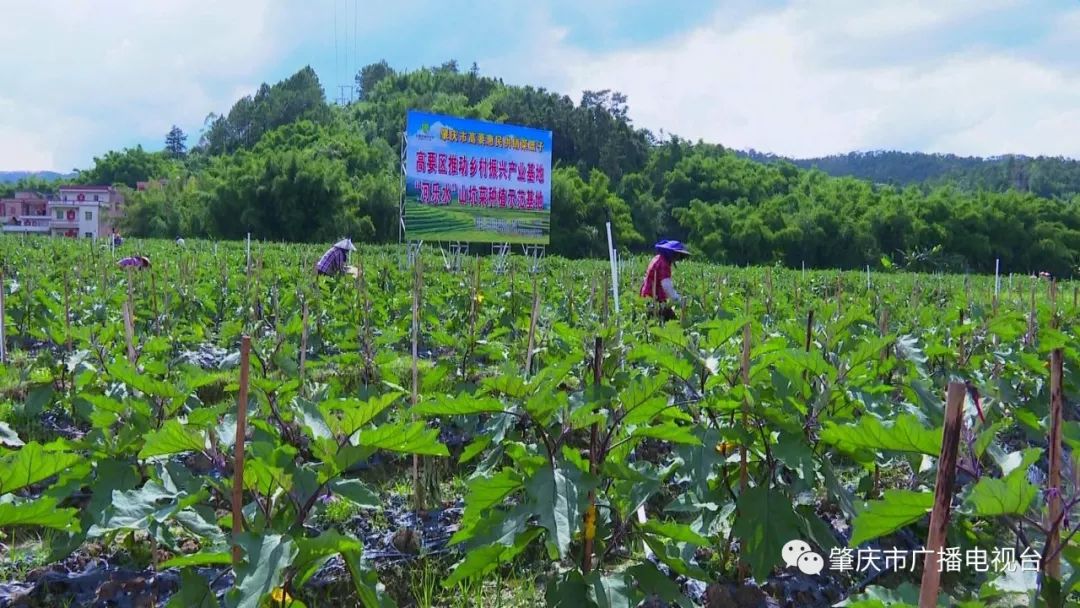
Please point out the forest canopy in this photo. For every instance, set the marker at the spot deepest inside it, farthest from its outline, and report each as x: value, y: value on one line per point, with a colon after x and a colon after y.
x: 283, y: 164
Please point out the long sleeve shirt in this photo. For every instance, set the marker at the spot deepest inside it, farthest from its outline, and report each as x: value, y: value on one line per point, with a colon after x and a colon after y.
x: 332, y: 261
x: 657, y: 283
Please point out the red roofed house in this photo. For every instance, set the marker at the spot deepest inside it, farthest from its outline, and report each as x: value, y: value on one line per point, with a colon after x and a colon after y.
x: 76, y: 211
x: 85, y: 211
x: 26, y: 212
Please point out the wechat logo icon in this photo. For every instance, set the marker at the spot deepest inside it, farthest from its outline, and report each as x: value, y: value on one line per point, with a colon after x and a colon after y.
x: 797, y: 554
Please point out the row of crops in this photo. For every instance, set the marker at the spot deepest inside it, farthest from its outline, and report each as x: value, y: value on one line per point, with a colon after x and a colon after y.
x: 421, y: 436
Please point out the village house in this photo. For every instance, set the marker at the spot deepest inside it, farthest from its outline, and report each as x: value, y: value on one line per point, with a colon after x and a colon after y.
x: 76, y: 212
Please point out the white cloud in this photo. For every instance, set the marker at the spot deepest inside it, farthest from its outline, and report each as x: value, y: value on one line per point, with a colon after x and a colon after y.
x: 128, y: 69
x: 792, y: 81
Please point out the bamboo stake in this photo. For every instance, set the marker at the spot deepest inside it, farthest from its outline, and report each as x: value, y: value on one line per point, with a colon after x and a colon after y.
x: 943, y: 493
x: 238, y: 450
x: 1052, y: 565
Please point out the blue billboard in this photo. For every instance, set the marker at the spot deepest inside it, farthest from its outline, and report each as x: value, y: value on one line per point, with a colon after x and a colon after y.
x: 476, y: 181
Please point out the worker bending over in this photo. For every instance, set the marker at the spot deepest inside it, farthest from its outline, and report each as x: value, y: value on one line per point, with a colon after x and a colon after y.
x: 333, y: 261
x: 658, y: 284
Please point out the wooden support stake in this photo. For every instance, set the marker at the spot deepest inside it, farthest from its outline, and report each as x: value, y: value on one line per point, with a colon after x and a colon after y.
x: 129, y: 332
x: 418, y: 486
x: 3, y: 332
x: 238, y: 450
x: 943, y: 494
x: 590, y: 513
x: 1052, y: 565
x: 744, y: 475
x: 303, y: 340
x: 532, y: 326
x: 67, y: 312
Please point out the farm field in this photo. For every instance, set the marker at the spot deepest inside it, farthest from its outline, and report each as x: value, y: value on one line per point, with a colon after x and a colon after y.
x: 424, y: 437
x: 459, y: 223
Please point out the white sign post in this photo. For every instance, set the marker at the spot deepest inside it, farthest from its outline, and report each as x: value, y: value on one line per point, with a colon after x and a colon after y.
x: 614, y: 269
x: 997, y: 277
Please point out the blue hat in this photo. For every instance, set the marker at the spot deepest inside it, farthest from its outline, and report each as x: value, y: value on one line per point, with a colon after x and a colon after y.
x: 672, y: 247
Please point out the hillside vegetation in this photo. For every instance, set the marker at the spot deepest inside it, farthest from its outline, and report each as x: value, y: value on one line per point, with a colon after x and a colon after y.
x: 283, y: 164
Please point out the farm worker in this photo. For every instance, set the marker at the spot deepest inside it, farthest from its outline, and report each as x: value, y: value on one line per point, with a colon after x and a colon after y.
x: 180, y: 241
x: 658, y: 284
x: 333, y: 261
x: 117, y: 241
x: 136, y: 261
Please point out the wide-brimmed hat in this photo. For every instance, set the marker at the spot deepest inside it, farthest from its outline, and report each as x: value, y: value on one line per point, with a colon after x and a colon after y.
x: 672, y: 247
x: 345, y: 244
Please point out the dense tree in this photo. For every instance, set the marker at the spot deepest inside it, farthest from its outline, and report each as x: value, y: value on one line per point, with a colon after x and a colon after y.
x: 1049, y: 177
x: 283, y: 164
x: 176, y: 142
x: 128, y: 167
x: 299, y: 97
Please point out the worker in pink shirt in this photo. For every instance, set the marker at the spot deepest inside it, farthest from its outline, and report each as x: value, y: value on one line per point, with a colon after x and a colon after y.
x: 658, y: 284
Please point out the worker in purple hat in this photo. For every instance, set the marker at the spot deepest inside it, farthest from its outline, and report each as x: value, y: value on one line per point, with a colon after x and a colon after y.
x: 658, y: 284
x: 333, y: 261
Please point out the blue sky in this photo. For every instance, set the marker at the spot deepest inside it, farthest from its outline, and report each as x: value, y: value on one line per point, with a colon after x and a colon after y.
x: 798, y: 77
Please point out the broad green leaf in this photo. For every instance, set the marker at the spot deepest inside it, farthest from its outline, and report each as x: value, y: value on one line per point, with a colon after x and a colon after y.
x: 461, y: 405
x: 413, y: 438
x: 668, y: 432
x: 477, y: 562
x: 356, y: 413
x: 986, y: 437
x: 30, y: 464
x: 135, y: 509
x: 43, y: 512
x: 371, y: 592
x: 907, y: 434
x: 313, y: 419
x: 124, y: 372
x: 641, y: 391
x: 898, y: 508
x: 511, y: 385
x: 766, y: 522
x: 663, y: 359
x: 487, y: 492
x: 219, y: 558
x: 609, y: 591
x: 675, y: 531
x: 653, y: 582
x: 194, y: 592
x: 1009, y: 496
x: 312, y: 553
x: 792, y: 450
x: 356, y: 491
x: 671, y: 557
x: 172, y: 438
x: 37, y: 400
x: 475, y: 447
x: 266, y: 556
x: 559, y: 496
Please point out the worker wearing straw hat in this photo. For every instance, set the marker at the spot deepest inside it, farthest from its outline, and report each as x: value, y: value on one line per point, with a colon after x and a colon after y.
x: 658, y: 284
x: 333, y: 261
